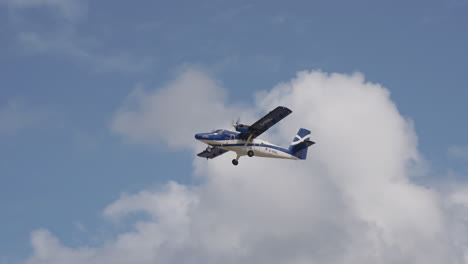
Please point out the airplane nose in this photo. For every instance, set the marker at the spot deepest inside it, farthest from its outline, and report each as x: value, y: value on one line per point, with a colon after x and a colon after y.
x: 198, y: 136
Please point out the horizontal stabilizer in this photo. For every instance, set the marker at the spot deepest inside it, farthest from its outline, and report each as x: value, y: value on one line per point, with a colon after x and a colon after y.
x: 302, y: 145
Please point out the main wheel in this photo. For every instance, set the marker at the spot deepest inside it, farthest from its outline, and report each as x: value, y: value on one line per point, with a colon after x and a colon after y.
x: 250, y: 153
x: 208, y: 149
x: 235, y: 162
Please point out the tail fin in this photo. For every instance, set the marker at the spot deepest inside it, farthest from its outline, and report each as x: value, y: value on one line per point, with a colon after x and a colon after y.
x: 300, y: 144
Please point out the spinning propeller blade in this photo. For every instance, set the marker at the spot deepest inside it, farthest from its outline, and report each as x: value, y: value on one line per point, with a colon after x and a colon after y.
x: 236, y: 123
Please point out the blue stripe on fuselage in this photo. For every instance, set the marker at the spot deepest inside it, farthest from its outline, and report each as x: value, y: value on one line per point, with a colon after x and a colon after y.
x: 253, y: 145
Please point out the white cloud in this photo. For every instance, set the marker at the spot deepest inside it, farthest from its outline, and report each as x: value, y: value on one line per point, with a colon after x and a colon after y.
x: 351, y: 202
x: 191, y: 103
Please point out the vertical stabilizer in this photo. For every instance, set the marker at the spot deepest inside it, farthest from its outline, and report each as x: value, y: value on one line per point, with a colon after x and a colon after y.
x: 300, y: 144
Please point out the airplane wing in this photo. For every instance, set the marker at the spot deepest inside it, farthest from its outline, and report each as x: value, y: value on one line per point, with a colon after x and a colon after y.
x: 264, y: 123
x: 213, y: 153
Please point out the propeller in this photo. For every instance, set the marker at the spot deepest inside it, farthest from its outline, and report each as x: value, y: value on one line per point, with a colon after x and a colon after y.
x: 236, y: 123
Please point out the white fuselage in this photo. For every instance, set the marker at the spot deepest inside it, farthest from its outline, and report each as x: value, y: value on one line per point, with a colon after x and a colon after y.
x: 259, y: 147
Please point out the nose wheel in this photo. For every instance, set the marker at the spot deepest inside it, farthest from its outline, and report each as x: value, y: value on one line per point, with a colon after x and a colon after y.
x: 235, y: 162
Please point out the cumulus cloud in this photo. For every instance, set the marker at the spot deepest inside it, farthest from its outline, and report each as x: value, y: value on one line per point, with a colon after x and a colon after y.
x: 352, y: 201
x: 192, y: 102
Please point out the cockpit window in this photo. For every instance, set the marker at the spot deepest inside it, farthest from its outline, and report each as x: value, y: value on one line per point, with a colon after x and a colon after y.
x: 218, y: 131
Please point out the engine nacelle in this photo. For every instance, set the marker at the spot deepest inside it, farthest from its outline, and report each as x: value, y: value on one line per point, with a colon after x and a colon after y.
x: 242, y: 128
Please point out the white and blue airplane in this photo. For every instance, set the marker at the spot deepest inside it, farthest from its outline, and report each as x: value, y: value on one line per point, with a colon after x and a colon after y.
x: 244, y: 140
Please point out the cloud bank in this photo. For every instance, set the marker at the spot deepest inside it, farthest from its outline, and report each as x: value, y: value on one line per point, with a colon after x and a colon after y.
x: 352, y: 201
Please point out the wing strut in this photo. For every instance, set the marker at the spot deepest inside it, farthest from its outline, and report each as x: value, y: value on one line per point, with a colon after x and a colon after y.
x: 248, y: 140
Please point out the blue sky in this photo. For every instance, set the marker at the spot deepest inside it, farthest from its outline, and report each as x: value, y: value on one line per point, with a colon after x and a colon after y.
x: 67, y: 67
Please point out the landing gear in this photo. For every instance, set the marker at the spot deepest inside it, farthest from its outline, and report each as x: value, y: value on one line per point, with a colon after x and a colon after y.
x: 236, y: 160
x: 208, y: 149
x: 250, y: 153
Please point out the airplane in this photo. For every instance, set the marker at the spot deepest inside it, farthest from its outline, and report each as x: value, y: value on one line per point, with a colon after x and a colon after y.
x: 244, y: 140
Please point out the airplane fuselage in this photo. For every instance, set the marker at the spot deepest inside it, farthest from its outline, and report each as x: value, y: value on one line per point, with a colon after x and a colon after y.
x: 228, y: 140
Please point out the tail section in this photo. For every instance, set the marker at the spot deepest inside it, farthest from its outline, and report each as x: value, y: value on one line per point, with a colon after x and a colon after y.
x: 300, y: 144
